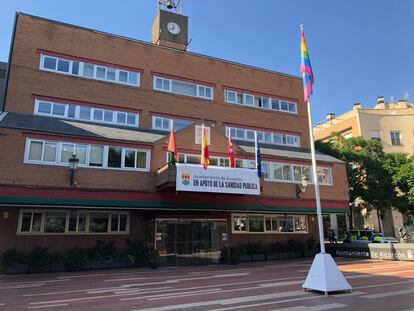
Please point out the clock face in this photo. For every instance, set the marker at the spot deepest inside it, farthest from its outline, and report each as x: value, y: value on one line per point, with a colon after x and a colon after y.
x: 173, y: 28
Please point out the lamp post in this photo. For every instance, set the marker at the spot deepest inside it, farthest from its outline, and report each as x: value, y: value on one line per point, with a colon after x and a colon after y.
x: 73, y: 165
x: 301, y: 189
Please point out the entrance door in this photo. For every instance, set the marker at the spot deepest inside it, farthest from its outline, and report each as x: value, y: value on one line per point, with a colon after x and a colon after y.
x: 183, y: 242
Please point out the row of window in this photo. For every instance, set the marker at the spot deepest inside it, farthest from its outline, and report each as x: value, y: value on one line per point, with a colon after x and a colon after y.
x: 116, y: 75
x: 87, y: 113
x: 89, y: 70
x: 280, y: 172
x: 293, y: 172
x: 396, y: 138
x: 251, y: 100
x: 72, y: 222
x: 183, y: 88
x: 245, y: 223
x: 264, y: 136
x: 58, y: 153
x: 165, y: 124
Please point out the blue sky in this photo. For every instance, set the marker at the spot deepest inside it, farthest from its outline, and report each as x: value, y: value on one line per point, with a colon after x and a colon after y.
x: 359, y: 49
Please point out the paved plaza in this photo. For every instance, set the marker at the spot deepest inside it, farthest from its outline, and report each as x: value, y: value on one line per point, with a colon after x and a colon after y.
x: 377, y: 285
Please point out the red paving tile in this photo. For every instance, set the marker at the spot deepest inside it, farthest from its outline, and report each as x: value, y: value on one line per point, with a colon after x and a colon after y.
x: 377, y: 285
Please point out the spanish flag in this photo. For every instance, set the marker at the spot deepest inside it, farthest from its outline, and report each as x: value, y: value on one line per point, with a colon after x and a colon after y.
x: 204, y: 148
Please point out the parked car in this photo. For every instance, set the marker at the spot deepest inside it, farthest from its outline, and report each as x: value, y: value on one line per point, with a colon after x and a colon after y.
x: 368, y: 236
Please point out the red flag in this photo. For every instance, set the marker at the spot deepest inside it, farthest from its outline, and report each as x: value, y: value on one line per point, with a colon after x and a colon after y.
x: 205, y: 158
x: 172, y: 152
x: 230, y: 151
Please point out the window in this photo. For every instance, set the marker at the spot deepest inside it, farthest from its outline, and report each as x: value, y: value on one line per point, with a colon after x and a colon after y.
x: 164, y: 124
x: 182, y: 87
x: 114, y: 157
x: 87, y: 113
x: 265, y: 223
x: 118, y: 222
x: 98, y: 222
x: 281, y: 171
x: 89, y: 70
x: 198, y: 134
x: 285, y: 224
x: 256, y: 224
x: 261, y: 102
x: 240, y: 223
x: 396, y: 138
x: 299, y: 223
x: 58, y: 153
x: 135, y: 159
x: 55, y: 222
x: 264, y: 136
x: 375, y: 135
x: 348, y: 135
x: 324, y: 175
x: 300, y: 171
x: 72, y: 222
x: 30, y: 222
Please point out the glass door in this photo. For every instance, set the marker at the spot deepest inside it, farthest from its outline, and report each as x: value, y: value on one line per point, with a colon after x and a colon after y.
x: 184, y: 242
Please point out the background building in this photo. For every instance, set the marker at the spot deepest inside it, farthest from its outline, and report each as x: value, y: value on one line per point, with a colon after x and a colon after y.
x: 3, y: 73
x: 110, y: 100
x: 391, y: 123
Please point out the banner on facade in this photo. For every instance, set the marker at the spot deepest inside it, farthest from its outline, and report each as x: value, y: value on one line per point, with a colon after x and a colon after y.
x: 193, y: 177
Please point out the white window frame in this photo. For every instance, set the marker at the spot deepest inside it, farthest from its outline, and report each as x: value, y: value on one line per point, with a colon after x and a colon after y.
x: 91, y: 118
x: 292, y: 107
x: 87, y: 213
x: 170, y: 122
x: 88, y: 149
x: 233, y: 215
x: 198, y: 134
x: 284, y: 137
x: 94, y: 76
x: 170, y: 81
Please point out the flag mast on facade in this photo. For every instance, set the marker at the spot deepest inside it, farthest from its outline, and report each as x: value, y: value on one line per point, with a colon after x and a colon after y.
x: 230, y: 151
x: 258, y: 156
x: 324, y: 275
x: 172, y: 152
x: 205, y: 158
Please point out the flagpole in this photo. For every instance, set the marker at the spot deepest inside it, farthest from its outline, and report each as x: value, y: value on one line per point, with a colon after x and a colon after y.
x: 324, y: 275
x: 315, y: 179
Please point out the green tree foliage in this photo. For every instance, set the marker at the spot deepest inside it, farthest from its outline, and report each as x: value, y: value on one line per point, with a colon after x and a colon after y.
x: 377, y: 178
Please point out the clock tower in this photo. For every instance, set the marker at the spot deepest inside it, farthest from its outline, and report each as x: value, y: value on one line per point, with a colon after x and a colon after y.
x: 170, y: 28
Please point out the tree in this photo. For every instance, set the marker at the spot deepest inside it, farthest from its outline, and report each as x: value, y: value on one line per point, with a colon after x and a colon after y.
x: 403, y: 178
x: 370, y: 173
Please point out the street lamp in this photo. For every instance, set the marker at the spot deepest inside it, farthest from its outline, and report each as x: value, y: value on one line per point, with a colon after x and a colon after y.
x: 301, y: 189
x: 73, y: 165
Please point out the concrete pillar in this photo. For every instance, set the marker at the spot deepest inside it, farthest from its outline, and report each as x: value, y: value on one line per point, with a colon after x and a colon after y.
x: 334, y: 224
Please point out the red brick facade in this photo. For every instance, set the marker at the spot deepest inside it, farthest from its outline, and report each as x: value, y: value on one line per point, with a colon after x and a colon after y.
x: 34, y: 36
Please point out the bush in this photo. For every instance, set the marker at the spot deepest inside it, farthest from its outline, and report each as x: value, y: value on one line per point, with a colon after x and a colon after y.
x: 75, y: 259
x: 234, y: 255
x: 277, y: 248
x: 137, y: 252
x: 252, y: 249
x: 39, y: 259
x: 153, y: 255
x: 311, y: 243
x: 224, y: 255
x: 12, y: 257
x: 102, y: 251
x: 295, y: 246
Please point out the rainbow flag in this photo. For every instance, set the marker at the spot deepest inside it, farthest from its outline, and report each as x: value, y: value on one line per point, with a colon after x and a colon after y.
x: 306, y: 68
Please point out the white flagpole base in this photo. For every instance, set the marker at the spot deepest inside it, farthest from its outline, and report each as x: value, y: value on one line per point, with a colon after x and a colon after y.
x: 325, y: 276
